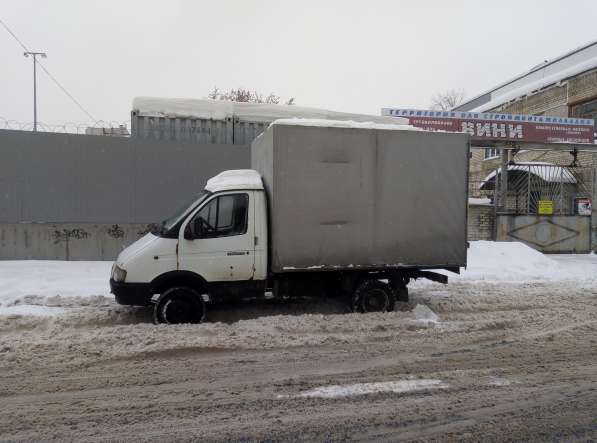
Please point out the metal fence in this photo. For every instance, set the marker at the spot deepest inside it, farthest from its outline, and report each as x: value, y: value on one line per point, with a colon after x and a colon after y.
x: 53, y: 178
x: 538, y: 189
x: 63, y: 128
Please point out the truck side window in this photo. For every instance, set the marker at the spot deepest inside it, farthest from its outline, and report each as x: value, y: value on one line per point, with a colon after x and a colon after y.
x: 223, y: 216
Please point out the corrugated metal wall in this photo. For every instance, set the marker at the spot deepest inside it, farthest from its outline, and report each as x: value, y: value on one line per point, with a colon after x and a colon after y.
x: 232, y: 130
x: 49, y: 177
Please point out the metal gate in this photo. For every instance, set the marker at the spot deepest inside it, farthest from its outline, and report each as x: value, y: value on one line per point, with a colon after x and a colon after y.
x: 545, y: 206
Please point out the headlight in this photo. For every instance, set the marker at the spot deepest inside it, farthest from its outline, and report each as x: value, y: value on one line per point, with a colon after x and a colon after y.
x: 118, y: 274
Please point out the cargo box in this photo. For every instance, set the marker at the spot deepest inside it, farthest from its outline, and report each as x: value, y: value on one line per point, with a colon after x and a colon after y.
x: 357, y: 197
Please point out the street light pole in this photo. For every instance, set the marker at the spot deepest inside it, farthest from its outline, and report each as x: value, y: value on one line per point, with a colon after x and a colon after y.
x: 35, y: 54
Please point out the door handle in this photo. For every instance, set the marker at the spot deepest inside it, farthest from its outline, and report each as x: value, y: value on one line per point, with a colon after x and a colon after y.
x: 238, y: 253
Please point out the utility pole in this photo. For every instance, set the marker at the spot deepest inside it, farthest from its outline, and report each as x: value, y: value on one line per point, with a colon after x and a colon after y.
x: 35, y: 54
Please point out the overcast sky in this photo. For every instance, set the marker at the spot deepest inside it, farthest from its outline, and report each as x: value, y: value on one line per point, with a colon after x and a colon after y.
x: 353, y: 56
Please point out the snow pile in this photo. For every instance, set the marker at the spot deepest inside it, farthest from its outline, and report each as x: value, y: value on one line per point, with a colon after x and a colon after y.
x: 510, y: 261
x: 396, y: 387
x: 31, y: 284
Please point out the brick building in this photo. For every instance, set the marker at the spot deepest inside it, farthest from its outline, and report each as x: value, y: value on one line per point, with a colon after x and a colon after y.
x: 563, y: 87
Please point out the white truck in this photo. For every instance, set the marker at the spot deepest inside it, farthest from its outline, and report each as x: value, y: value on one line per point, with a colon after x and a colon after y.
x: 329, y: 209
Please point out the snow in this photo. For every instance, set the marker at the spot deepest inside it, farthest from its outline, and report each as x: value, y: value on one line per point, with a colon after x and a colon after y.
x: 255, y: 112
x: 398, y: 126
x: 44, y: 288
x: 546, y: 171
x: 479, y: 201
x: 396, y: 387
x: 514, y: 261
x: 424, y: 314
x: 31, y: 310
x: 28, y: 286
x: 235, y: 179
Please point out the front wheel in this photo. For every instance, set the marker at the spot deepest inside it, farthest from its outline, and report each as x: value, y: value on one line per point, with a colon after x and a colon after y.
x: 179, y: 305
x: 374, y: 296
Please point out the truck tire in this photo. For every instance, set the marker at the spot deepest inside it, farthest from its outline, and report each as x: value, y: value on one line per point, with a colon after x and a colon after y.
x: 401, y: 294
x: 373, y: 296
x: 179, y: 305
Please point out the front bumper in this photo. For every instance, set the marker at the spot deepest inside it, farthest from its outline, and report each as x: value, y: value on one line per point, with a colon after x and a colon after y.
x: 137, y: 294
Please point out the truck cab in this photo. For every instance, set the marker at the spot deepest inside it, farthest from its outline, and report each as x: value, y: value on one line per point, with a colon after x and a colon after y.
x: 212, y: 249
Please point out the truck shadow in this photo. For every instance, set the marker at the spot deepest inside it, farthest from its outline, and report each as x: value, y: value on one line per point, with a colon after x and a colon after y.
x: 231, y: 312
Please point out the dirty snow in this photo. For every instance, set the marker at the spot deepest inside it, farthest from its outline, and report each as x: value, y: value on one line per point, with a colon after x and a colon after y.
x: 396, y: 387
x: 31, y: 310
x: 50, y: 288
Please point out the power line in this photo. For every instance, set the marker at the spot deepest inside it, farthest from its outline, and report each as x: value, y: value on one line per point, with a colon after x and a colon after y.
x: 75, y: 101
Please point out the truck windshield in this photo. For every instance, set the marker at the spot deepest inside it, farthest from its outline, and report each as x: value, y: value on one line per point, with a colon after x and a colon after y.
x: 169, y: 227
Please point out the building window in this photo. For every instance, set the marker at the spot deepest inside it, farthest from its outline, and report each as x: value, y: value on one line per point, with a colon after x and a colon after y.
x: 585, y: 110
x: 491, y: 153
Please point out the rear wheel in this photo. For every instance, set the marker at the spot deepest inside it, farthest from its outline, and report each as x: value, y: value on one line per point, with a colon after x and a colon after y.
x: 179, y: 305
x: 374, y: 296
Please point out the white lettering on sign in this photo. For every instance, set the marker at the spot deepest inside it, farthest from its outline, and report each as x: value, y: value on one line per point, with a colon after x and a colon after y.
x: 492, y: 130
x: 484, y: 129
x: 499, y: 130
x: 468, y: 128
x: 515, y: 131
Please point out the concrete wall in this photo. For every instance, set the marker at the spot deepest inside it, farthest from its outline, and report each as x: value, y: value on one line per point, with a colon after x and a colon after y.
x: 67, y: 241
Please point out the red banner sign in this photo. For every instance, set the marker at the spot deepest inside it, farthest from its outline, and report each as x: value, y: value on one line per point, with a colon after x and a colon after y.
x: 506, y: 127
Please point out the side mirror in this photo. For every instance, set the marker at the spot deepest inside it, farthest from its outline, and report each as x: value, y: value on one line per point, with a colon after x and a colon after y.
x: 188, y: 232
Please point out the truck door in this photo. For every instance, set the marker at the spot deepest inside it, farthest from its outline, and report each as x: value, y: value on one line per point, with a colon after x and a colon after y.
x: 219, y: 240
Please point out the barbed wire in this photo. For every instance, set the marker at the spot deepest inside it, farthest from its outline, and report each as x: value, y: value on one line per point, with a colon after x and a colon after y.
x: 67, y: 128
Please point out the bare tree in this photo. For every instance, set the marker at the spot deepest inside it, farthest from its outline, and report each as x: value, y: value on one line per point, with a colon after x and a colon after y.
x: 247, y: 96
x: 444, y: 101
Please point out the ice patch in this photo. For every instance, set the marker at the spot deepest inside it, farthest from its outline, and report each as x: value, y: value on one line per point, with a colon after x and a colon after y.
x: 396, y: 387
x: 498, y: 381
x: 422, y: 313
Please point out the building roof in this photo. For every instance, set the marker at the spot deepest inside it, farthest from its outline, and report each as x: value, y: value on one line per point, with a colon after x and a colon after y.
x: 253, y: 112
x: 547, y: 73
x: 547, y: 172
